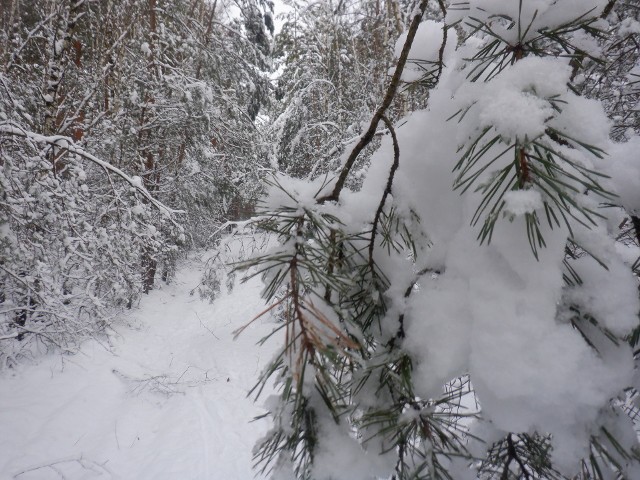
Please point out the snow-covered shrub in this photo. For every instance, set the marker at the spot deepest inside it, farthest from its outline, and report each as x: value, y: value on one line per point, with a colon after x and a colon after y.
x: 228, y: 245
x: 71, y: 243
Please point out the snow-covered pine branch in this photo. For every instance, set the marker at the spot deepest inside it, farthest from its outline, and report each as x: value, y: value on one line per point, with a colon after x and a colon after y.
x: 490, y: 330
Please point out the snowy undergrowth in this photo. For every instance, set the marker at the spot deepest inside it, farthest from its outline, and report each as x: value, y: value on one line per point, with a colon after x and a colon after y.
x: 167, y: 399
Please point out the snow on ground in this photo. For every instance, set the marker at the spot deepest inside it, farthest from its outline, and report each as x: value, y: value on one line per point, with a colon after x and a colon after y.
x: 165, y: 400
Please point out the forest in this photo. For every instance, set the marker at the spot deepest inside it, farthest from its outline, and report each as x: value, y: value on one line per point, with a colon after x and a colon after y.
x: 440, y: 198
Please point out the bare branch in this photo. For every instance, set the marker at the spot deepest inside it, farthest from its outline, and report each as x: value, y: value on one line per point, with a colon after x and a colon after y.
x: 67, y: 144
x: 386, y: 102
x: 387, y: 190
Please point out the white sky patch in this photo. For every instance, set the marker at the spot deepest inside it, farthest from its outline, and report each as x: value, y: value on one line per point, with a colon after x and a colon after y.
x: 279, y: 10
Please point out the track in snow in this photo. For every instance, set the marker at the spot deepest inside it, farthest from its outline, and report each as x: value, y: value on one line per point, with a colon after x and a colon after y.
x: 166, y: 400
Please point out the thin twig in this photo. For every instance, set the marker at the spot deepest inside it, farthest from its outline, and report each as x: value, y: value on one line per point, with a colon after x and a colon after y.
x: 67, y: 144
x: 400, y: 334
x: 205, y: 327
x: 387, y: 190
x: 443, y: 45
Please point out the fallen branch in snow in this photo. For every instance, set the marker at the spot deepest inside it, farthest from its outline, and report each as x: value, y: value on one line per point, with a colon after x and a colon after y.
x: 56, y: 466
x: 204, y: 326
x: 162, y: 384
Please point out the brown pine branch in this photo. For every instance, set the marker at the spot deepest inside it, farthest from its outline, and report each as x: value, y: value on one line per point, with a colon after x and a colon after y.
x: 523, y: 163
x: 607, y: 9
x: 236, y: 333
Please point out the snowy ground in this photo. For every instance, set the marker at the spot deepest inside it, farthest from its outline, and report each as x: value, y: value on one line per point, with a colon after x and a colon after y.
x: 166, y: 400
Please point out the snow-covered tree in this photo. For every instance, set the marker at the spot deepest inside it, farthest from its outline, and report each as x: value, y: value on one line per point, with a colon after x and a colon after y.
x: 468, y: 312
x: 334, y: 58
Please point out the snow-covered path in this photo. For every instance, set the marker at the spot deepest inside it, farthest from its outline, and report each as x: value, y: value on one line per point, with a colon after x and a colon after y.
x: 167, y: 399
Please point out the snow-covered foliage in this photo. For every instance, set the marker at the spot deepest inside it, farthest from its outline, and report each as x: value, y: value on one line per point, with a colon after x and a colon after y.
x: 127, y: 134
x: 468, y: 312
x: 451, y: 228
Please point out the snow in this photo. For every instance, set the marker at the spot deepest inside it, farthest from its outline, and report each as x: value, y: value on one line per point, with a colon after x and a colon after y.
x: 285, y: 190
x: 532, y: 15
x: 515, y: 114
x: 515, y: 104
x: 426, y: 48
x: 339, y: 456
x: 624, y: 169
x: 136, y: 181
x: 519, y: 202
x: 166, y: 398
x: 280, y: 10
x: 145, y: 48
x: 629, y: 26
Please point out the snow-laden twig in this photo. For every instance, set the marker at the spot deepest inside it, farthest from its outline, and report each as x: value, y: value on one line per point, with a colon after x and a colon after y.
x: 388, y: 187
x: 66, y: 143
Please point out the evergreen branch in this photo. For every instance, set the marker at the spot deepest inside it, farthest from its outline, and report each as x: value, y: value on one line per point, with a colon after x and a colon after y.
x: 513, y: 455
x: 400, y: 334
x: 636, y: 227
x: 236, y: 333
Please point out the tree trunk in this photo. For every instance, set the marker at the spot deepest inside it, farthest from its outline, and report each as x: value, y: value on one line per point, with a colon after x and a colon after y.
x: 149, y: 267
